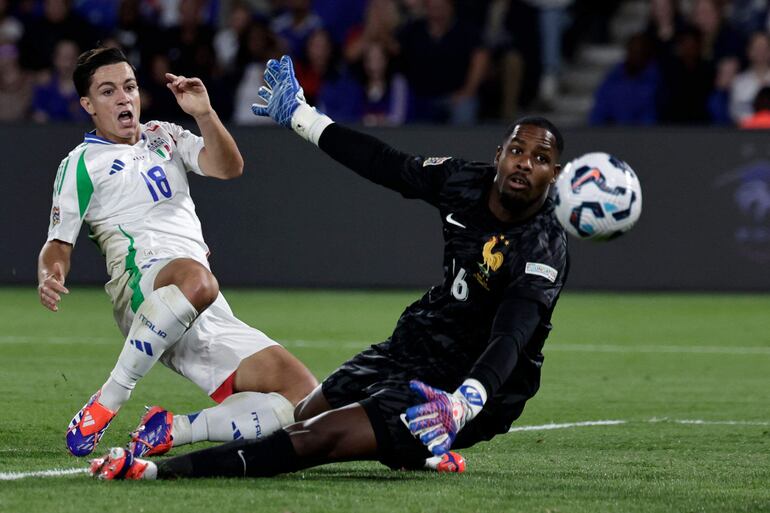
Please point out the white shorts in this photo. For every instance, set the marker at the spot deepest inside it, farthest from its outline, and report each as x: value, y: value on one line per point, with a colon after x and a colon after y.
x: 210, y: 351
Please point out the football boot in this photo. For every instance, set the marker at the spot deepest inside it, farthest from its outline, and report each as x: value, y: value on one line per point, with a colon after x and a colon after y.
x: 87, y: 426
x: 152, y: 436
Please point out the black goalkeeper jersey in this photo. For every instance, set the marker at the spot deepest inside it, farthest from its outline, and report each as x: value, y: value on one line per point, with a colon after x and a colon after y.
x: 491, y: 268
x: 486, y: 261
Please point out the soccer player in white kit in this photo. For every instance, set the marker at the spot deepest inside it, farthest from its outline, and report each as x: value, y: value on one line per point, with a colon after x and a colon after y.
x: 128, y: 182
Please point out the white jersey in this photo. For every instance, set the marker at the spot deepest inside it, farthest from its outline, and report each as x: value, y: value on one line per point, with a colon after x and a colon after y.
x: 134, y: 198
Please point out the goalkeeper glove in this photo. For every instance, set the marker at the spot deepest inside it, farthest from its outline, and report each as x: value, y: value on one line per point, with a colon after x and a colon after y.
x: 438, y: 421
x: 285, y: 101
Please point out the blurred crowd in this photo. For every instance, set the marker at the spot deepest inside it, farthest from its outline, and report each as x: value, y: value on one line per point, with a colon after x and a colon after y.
x: 378, y: 62
x: 389, y: 62
x: 697, y: 62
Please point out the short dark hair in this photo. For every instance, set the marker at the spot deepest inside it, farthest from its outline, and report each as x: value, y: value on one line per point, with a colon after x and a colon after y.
x: 540, y: 122
x: 91, y: 60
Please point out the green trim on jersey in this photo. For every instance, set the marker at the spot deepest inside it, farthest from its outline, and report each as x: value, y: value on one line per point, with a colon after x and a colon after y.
x: 137, y: 298
x: 60, y: 174
x: 85, y: 186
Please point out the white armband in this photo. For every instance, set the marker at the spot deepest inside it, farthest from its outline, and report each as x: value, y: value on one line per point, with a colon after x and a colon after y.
x: 309, y: 123
x: 474, y: 394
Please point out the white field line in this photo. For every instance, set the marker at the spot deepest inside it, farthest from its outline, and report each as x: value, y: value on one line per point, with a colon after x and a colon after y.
x: 33, y: 339
x: 13, y: 476
x: 608, y: 348
x: 700, y: 422
x: 55, y: 472
x: 654, y: 420
x: 566, y: 425
x: 585, y: 348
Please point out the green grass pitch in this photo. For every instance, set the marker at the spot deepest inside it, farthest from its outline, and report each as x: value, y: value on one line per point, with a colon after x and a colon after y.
x: 688, y: 376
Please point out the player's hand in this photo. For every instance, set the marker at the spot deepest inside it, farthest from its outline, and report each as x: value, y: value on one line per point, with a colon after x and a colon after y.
x: 190, y: 94
x: 437, y: 421
x: 51, y: 287
x: 281, y: 92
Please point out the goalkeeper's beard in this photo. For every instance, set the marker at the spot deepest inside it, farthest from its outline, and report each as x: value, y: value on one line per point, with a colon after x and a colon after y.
x: 514, y: 204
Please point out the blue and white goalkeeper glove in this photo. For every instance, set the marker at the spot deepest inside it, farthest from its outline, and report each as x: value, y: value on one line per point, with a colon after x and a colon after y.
x: 282, y: 93
x: 285, y: 101
x: 437, y: 422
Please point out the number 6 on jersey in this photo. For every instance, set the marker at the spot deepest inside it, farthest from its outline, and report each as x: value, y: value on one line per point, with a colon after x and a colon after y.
x: 460, y: 286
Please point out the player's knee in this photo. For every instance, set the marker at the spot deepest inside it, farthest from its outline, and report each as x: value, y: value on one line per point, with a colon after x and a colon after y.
x: 275, y: 369
x: 196, y: 282
x: 313, y: 404
x: 201, y: 288
x: 300, y: 381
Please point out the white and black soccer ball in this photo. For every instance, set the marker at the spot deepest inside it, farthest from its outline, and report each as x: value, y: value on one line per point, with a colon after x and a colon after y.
x: 598, y: 197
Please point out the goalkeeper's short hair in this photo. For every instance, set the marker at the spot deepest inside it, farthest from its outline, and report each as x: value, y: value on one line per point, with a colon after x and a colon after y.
x: 539, y: 122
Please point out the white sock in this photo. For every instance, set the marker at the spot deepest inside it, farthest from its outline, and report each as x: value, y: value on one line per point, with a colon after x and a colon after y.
x: 245, y: 415
x: 151, y: 472
x: 159, y: 323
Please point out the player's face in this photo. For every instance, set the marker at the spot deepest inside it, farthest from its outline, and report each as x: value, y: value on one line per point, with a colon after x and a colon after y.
x: 113, y: 102
x: 526, y: 167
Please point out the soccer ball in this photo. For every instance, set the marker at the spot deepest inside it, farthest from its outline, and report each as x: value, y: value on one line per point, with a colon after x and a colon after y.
x: 598, y: 197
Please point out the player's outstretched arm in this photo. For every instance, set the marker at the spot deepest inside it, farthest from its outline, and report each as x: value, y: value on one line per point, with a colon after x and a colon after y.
x: 437, y: 421
x: 52, y: 267
x: 220, y: 156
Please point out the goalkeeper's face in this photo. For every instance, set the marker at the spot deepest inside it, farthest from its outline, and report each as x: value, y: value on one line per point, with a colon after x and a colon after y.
x: 113, y: 103
x: 527, y: 165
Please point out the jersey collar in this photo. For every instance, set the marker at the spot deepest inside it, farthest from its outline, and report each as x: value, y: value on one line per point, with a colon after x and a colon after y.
x: 91, y: 137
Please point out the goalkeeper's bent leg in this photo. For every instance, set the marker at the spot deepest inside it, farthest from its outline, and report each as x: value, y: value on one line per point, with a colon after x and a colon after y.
x: 265, y: 457
x: 344, y: 434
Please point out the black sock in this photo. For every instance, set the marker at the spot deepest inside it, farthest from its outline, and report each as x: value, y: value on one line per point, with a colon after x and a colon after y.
x: 263, y: 457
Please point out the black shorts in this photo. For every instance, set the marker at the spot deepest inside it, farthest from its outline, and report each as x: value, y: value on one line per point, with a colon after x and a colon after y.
x: 378, y: 378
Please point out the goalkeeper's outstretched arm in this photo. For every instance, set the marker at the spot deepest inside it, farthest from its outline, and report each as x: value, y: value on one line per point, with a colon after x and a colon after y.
x: 364, y: 154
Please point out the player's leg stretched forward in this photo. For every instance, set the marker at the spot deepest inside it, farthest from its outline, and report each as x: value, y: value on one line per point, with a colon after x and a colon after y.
x: 258, y: 397
x: 265, y: 388
x: 325, y: 436
x: 344, y: 434
x: 257, y: 382
x: 182, y: 289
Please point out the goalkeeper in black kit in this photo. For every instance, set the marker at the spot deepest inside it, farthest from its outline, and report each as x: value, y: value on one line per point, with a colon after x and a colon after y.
x: 462, y: 360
